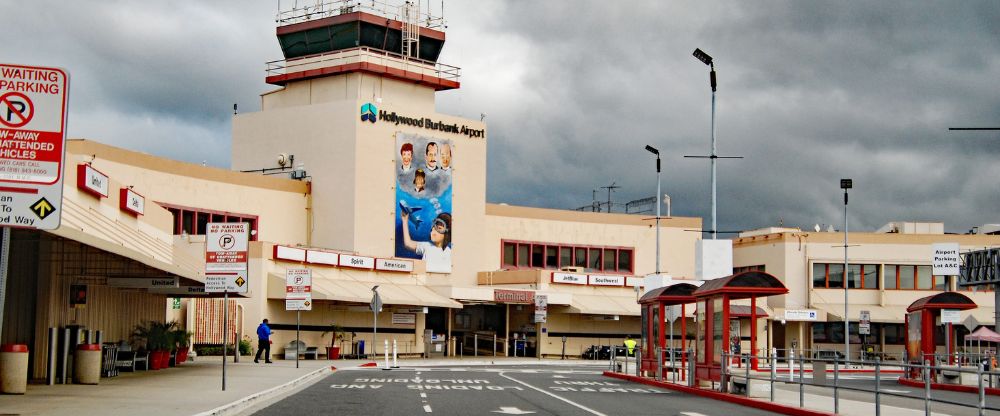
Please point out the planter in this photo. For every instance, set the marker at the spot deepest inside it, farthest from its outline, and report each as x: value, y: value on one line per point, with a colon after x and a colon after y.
x: 159, y: 359
x: 333, y: 353
x: 182, y: 355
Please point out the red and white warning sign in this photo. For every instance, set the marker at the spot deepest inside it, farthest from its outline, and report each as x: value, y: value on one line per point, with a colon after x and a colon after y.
x: 33, y: 103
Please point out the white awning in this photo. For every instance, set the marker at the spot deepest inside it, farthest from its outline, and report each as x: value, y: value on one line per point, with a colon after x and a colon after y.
x: 883, y: 314
x: 605, y: 305
x: 94, y: 229
x: 361, y: 292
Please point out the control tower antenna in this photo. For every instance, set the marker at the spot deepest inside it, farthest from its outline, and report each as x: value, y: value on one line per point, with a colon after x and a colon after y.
x: 610, y: 188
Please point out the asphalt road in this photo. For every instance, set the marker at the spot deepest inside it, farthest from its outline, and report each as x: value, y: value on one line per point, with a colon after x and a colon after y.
x: 463, y: 390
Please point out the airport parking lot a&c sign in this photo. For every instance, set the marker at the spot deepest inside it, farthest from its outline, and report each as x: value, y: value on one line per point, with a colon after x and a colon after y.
x: 32, y: 145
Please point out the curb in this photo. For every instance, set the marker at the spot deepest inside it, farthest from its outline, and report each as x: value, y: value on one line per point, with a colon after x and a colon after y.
x: 909, y: 382
x: 246, y: 402
x: 743, y: 401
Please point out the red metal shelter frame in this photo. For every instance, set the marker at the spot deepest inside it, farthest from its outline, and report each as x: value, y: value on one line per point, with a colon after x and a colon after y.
x: 930, y: 308
x: 750, y: 284
x: 657, y: 300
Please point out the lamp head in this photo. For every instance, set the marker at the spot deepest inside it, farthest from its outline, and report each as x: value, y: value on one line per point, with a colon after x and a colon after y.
x: 702, y: 56
x: 652, y: 150
x: 375, y: 288
x: 846, y: 184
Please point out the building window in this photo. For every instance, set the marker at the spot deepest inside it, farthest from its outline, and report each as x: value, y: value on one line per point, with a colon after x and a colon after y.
x: 517, y: 254
x: 894, y: 334
x: 831, y: 275
x: 194, y: 221
x: 909, y: 277
x: 755, y: 268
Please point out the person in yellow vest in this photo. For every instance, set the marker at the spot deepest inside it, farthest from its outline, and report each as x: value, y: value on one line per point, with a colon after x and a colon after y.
x: 630, y: 345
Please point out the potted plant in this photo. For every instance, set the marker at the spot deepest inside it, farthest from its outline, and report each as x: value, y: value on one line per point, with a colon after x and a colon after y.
x: 182, y: 340
x: 156, y: 337
x: 337, y: 334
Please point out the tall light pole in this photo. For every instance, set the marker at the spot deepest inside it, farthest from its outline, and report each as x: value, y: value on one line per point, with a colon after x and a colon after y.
x: 703, y: 57
x: 656, y: 152
x: 846, y: 184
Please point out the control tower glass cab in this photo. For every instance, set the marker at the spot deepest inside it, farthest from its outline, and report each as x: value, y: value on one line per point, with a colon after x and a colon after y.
x: 335, y: 37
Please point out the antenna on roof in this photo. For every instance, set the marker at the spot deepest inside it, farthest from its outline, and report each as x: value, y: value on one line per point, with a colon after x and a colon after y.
x: 610, y: 188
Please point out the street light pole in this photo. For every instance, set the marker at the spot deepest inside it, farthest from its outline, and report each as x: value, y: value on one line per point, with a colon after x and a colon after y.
x: 846, y: 184
x: 656, y: 152
x: 707, y: 60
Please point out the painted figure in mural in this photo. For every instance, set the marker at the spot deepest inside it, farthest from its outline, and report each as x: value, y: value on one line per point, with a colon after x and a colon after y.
x: 406, y: 157
x: 445, y: 157
x: 419, y: 181
x: 431, y: 156
x: 437, y: 252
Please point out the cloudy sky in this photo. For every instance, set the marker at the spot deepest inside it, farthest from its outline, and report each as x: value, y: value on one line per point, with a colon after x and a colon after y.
x: 809, y: 92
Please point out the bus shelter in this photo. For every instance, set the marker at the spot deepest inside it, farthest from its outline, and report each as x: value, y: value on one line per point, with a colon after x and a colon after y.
x: 714, y: 313
x: 654, y: 305
x: 921, y: 318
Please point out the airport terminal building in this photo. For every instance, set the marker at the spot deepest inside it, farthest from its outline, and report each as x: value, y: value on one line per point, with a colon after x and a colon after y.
x: 349, y: 171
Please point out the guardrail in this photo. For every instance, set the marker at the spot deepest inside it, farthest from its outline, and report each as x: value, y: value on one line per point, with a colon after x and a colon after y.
x: 363, y: 54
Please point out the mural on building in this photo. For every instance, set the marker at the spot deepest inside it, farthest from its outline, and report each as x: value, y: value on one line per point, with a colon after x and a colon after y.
x: 423, y: 200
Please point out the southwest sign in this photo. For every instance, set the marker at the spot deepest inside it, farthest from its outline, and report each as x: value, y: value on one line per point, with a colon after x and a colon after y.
x: 32, y: 145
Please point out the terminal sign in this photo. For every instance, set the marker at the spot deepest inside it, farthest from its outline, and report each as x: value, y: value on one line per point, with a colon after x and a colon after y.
x: 32, y: 145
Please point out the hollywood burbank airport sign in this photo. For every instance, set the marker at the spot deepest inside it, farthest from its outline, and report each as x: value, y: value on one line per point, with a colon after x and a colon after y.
x: 369, y: 111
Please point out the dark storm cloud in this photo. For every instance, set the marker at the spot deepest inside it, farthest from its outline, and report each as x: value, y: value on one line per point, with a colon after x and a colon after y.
x: 572, y: 91
x: 808, y: 92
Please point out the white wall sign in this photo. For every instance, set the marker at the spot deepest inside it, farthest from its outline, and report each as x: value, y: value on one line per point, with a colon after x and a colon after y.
x: 951, y: 316
x: 33, y: 155
x: 358, y: 262
x: 801, y: 315
x: 130, y: 201
x: 233, y: 282
x: 143, y: 282
x: 322, y: 257
x: 393, y: 265
x: 92, y: 180
x: 298, y: 282
x: 541, y: 308
x: 226, y: 245
x: 569, y: 278
x: 289, y: 253
x: 404, y: 319
x: 946, y: 259
x: 605, y: 280
x: 411, y: 310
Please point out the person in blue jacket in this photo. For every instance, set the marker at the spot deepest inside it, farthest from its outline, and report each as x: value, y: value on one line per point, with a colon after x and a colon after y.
x: 263, y: 342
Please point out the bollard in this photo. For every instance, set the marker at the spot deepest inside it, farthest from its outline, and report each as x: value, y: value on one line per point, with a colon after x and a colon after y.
x: 774, y: 370
x: 878, y: 386
x: 802, y: 382
x: 386, y: 353
x: 50, y: 371
x: 395, y: 364
x: 723, y: 380
x: 13, y: 368
x: 475, y: 345
x: 494, y: 344
x: 982, y: 390
x: 836, y: 383
x: 748, y: 378
x: 638, y: 362
x: 927, y: 387
x: 691, y: 367
x: 791, y: 365
x: 659, y: 364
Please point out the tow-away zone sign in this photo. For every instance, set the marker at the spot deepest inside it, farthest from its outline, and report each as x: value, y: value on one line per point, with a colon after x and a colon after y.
x: 32, y: 145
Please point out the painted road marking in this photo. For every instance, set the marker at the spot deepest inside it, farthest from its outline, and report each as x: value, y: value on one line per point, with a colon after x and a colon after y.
x: 423, y: 395
x: 592, y: 411
x: 512, y: 411
x: 692, y: 414
x: 427, y: 408
x: 895, y: 391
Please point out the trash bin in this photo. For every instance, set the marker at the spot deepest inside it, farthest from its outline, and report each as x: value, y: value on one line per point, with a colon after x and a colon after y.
x: 819, y: 372
x: 361, y: 348
x: 13, y: 368
x: 87, y: 364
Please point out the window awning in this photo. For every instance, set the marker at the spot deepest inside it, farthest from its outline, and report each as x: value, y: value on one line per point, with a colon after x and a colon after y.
x: 604, y: 305
x: 355, y: 291
x: 883, y: 314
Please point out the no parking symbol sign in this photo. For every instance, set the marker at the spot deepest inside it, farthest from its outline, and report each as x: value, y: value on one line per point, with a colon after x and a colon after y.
x: 33, y: 104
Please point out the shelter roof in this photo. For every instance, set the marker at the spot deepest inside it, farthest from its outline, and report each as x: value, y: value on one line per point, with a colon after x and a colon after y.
x: 675, y: 294
x: 943, y: 300
x: 742, y: 285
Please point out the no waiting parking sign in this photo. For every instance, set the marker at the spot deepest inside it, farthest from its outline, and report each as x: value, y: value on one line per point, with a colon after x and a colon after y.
x: 32, y: 145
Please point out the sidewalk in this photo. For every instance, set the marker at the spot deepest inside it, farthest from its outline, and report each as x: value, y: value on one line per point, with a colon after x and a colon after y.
x: 192, y: 388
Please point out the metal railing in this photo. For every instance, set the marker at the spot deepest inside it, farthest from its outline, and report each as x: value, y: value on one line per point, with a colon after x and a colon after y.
x: 363, y: 54
x: 925, y: 372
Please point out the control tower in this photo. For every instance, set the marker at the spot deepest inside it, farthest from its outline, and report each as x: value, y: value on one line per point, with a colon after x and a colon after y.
x: 357, y: 77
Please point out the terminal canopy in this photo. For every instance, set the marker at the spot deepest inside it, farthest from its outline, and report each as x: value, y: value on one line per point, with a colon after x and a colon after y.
x: 944, y: 300
x: 675, y: 294
x: 749, y: 284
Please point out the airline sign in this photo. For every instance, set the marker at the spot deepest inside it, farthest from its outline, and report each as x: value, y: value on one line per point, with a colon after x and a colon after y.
x: 569, y: 278
x: 32, y: 145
